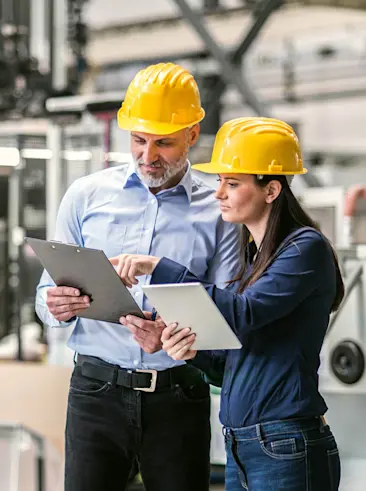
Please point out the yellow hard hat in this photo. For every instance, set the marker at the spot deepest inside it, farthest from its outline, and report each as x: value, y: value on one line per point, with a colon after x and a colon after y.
x: 255, y: 145
x: 161, y: 99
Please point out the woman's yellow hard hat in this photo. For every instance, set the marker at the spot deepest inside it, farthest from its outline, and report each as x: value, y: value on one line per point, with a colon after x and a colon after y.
x: 255, y: 145
x: 161, y: 100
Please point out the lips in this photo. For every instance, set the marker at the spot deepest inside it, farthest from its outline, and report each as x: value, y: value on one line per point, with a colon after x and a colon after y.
x: 152, y: 168
x: 224, y: 208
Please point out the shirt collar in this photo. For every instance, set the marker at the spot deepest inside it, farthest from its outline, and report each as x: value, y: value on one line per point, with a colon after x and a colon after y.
x: 131, y: 178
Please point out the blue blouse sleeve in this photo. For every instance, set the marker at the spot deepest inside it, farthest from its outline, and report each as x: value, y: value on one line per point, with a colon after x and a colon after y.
x: 293, y: 276
x: 212, y: 364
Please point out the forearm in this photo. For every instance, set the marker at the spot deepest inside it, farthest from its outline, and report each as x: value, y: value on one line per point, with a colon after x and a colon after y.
x: 283, y: 286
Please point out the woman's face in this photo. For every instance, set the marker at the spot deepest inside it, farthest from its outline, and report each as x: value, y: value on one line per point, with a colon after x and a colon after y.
x: 242, y: 200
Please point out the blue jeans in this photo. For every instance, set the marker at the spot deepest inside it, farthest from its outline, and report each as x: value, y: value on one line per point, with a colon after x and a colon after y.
x: 292, y: 455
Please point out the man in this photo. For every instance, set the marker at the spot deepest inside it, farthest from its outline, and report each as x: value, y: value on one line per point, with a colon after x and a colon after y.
x: 116, y: 413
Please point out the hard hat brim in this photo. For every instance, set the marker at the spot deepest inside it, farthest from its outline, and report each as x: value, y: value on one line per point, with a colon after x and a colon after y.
x: 216, y: 168
x: 152, y: 127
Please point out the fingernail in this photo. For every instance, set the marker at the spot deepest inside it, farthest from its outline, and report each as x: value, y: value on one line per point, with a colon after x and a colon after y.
x: 128, y: 318
x: 122, y: 320
x: 77, y: 293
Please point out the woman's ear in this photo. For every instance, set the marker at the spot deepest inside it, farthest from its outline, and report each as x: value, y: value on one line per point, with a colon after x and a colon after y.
x: 273, y: 190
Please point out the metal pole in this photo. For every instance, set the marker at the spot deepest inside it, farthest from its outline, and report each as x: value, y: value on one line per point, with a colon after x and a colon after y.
x: 58, y: 44
x: 15, y: 251
x: 229, y: 73
x: 54, y: 175
x: 39, y: 43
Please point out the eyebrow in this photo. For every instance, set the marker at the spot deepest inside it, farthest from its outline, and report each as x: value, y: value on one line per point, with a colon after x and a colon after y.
x: 229, y: 178
x: 170, y: 140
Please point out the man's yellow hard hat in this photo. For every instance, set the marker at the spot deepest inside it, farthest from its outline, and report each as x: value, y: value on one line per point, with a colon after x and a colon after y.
x: 255, y: 145
x: 161, y: 99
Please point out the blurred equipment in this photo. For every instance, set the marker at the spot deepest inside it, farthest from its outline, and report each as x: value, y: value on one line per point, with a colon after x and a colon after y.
x: 32, y: 347
x: 28, y: 69
x: 342, y: 374
x: 348, y: 362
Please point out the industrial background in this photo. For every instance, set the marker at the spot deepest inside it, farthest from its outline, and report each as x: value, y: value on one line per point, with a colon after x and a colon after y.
x: 64, y: 69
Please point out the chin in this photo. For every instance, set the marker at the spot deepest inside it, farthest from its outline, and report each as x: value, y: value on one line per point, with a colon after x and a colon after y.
x: 227, y: 218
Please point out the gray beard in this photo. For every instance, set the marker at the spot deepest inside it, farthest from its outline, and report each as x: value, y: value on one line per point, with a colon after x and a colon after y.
x: 169, y: 172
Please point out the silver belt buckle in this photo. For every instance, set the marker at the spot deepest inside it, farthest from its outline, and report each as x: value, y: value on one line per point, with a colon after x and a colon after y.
x: 154, y: 376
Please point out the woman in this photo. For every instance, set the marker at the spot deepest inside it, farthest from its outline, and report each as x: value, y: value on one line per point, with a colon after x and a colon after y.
x: 278, y: 306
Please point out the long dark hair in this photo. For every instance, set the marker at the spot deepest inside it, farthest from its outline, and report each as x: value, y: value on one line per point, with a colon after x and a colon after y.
x: 286, y: 215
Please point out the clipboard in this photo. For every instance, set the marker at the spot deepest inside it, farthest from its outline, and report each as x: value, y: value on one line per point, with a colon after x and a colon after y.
x: 190, y: 305
x: 90, y: 271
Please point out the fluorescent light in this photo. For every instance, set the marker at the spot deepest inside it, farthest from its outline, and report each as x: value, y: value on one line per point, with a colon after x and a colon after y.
x: 122, y: 157
x: 76, y: 155
x: 36, y: 153
x: 9, y: 157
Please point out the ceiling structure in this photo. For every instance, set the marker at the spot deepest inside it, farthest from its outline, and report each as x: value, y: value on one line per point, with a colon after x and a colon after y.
x: 171, y: 36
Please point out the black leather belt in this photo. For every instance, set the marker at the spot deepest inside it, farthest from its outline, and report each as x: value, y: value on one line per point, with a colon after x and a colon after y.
x: 145, y: 380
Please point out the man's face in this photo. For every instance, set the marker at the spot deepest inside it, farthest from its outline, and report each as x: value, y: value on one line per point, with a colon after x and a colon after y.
x: 158, y: 158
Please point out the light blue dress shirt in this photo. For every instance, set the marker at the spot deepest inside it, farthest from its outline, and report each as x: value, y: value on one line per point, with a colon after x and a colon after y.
x: 114, y: 211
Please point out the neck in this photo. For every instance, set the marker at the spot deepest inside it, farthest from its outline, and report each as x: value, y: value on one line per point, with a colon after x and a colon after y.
x: 258, y: 228
x: 171, y: 183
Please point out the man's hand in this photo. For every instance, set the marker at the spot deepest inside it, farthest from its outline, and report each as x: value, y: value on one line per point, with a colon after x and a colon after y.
x: 128, y: 266
x: 178, y: 345
x: 146, y: 332
x: 65, y: 302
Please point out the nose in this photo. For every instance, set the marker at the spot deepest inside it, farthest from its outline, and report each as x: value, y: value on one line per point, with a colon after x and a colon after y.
x: 150, y: 154
x: 220, y: 193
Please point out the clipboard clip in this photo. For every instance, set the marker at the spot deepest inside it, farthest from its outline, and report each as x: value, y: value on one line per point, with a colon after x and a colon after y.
x: 64, y: 243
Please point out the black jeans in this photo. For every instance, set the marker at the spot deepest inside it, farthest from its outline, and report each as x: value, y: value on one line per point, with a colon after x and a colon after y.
x: 109, y: 427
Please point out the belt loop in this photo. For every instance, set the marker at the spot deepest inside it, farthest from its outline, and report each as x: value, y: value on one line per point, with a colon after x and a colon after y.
x: 115, y: 376
x: 171, y: 379
x: 258, y: 430
x: 322, y: 424
x: 75, y: 357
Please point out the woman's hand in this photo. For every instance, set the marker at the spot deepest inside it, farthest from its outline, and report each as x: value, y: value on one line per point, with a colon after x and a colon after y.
x: 128, y: 266
x: 178, y: 345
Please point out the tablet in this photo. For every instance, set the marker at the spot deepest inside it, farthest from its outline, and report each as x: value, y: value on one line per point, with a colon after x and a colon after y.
x: 189, y: 305
x: 91, y: 272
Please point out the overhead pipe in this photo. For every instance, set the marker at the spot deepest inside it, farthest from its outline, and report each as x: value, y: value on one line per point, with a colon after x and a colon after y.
x: 352, y: 197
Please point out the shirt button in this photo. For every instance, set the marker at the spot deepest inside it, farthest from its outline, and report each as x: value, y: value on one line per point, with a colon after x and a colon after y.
x: 137, y: 294
x: 152, y: 201
x: 135, y: 362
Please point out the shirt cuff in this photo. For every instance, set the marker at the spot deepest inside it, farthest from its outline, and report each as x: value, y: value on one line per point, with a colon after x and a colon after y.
x: 168, y: 271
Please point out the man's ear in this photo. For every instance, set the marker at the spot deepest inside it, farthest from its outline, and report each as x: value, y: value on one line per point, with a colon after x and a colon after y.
x: 194, y: 133
x: 273, y: 190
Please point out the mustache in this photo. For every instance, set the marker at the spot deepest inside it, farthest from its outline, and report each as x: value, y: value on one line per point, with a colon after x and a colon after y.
x: 157, y: 163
